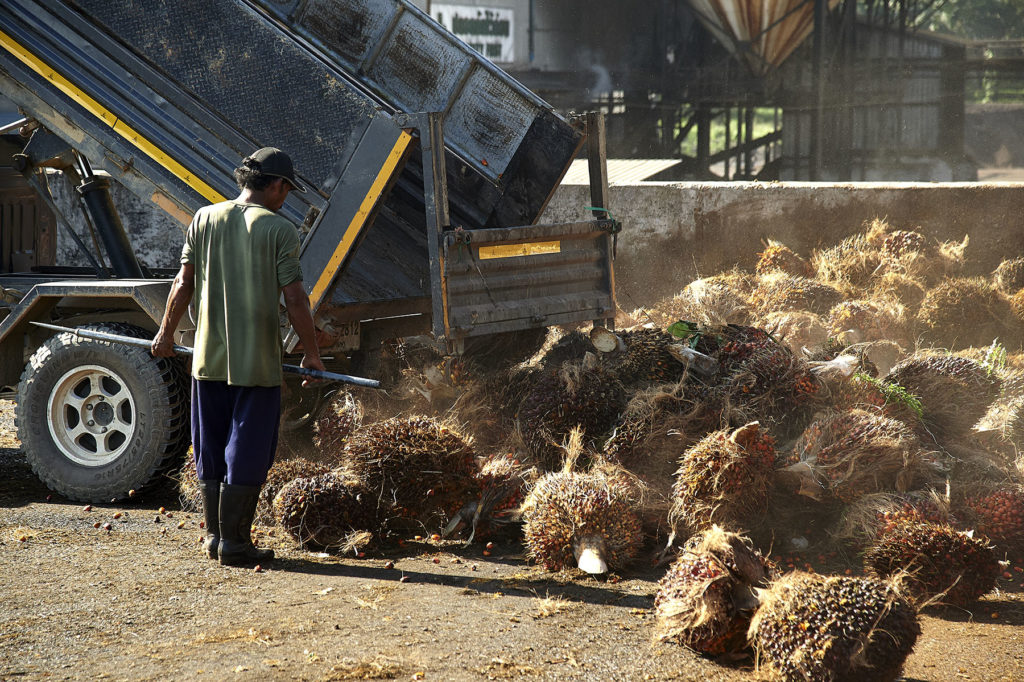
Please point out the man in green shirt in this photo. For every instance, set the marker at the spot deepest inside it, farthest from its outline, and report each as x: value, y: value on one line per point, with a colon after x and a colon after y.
x: 239, y: 258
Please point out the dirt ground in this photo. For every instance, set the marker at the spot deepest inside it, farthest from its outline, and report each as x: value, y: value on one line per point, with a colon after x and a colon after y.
x: 138, y: 602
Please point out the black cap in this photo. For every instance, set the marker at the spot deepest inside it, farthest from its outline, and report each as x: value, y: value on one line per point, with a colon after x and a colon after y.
x: 273, y: 161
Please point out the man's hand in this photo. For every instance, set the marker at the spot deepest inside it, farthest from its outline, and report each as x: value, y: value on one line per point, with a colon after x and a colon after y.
x: 177, y: 301
x: 163, y: 345
x: 312, y: 363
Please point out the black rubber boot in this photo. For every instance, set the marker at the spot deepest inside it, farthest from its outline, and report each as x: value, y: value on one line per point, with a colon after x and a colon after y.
x: 211, y: 516
x: 237, y: 509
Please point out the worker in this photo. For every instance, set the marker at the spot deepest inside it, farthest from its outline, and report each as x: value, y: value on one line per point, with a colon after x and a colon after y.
x: 238, y: 259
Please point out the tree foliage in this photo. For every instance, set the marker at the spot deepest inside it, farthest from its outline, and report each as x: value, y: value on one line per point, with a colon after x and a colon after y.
x: 976, y: 19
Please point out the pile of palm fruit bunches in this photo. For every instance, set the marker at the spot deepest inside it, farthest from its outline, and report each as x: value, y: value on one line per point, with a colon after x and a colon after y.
x: 811, y: 453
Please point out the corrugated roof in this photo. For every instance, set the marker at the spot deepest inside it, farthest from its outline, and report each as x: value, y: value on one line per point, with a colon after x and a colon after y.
x: 620, y: 171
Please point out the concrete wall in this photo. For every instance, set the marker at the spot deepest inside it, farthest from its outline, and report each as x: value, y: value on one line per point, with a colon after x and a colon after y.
x: 675, y: 232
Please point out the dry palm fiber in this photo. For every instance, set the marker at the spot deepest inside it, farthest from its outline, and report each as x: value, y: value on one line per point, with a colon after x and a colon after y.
x: 995, y: 510
x: 336, y: 423
x: 796, y: 329
x: 647, y: 358
x: 281, y: 473
x: 833, y: 629
x: 322, y: 512
x: 851, y: 263
x: 940, y: 563
x: 574, y: 519
x: 558, y: 401
x: 961, y: 311
x: 706, y: 598
x: 1012, y: 382
x: 778, y: 291
x: 723, y: 479
x: 865, y: 521
x: 1013, y: 426
x: 190, y: 494
x: 418, y: 470
x: 855, y: 453
x: 866, y: 320
x: 954, y: 392
x: 1017, y: 305
x: 720, y: 299
x: 1008, y: 276
x: 899, y: 287
x: 777, y: 257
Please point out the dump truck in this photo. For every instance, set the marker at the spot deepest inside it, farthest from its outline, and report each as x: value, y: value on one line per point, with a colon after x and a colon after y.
x: 429, y: 169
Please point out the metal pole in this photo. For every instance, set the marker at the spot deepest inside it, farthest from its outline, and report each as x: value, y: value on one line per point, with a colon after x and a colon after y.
x: 185, y: 350
x: 817, y: 112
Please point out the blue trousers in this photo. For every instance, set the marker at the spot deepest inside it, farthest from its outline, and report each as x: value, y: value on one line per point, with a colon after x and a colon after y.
x: 234, y: 431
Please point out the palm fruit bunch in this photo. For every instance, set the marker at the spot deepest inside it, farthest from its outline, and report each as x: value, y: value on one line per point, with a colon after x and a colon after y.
x: 628, y: 437
x: 900, y: 287
x: 321, y: 512
x: 855, y: 453
x: 998, y: 512
x: 720, y: 299
x: 797, y: 329
x: 868, y: 320
x: 778, y: 291
x: 852, y: 262
x: 940, y: 562
x: 761, y: 378
x: 818, y: 628
x: 900, y: 243
x: 570, y: 347
x: 707, y: 597
x: 867, y: 520
x: 502, y: 480
x: 418, y: 470
x: 281, y: 474
x: 962, y: 311
x: 954, y: 392
x: 336, y: 423
x: 777, y: 257
x: 647, y: 435
x: 1008, y: 276
x: 560, y: 400
x: 724, y: 478
x: 647, y: 359
x: 889, y: 399
x: 587, y: 520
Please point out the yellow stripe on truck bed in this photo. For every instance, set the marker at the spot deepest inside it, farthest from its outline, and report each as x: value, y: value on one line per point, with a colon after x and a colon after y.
x: 355, y: 226
x: 108, y: 118
x: 512, y: 250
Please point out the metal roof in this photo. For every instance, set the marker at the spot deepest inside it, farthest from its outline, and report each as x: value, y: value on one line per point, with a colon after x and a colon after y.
x: 620, y: 171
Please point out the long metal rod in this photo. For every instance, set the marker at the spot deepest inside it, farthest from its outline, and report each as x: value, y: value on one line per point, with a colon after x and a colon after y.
x: 185, y: 350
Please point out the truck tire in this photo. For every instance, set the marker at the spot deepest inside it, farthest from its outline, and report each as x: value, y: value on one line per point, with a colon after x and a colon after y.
x: 97, y: 419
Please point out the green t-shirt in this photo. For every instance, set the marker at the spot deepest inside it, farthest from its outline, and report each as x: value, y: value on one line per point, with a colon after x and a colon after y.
x: 243, y: 254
